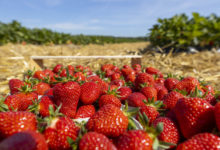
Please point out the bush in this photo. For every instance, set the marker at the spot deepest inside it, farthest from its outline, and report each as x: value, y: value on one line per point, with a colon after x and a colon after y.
x: 181, y: 32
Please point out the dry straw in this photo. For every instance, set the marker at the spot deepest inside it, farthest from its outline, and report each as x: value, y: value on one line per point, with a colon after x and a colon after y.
x: 204, y: 66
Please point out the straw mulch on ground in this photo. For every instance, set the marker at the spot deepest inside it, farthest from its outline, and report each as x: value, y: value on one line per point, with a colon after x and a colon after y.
x: 204, y: 65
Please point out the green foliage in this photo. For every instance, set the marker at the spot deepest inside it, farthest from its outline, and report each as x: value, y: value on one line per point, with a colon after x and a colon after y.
x: 14, y: 32
x: 180, y: 32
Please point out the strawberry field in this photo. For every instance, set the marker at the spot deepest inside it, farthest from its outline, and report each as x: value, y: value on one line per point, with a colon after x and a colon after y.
x: 171, y: 100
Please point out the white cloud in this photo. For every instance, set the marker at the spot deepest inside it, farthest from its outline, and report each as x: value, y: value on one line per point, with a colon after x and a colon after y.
x: 73, y: 26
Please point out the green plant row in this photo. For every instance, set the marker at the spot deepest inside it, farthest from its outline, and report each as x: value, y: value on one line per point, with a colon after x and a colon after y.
x: 181, y: 32
x: 14, y: 32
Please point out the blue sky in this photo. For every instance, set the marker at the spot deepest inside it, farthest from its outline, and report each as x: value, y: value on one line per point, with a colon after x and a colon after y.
x: 100, y: 17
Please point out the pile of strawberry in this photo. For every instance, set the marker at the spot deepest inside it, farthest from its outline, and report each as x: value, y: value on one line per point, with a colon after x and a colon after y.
x: 132, y: 108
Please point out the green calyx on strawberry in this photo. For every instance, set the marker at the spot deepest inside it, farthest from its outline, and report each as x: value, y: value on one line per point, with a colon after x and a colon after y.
x: 154, y: 132
x: 130, y: 113
x: 26, y: 89
x: 3, y: 106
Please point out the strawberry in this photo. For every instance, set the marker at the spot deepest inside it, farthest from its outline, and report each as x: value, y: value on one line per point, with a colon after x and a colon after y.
x: 130, y: 78
x: 90, y: 92
x: 137, y: 68
x: 115, y: 76
x: 71, y: 68
x: 170, y: 83
x: 136, y: 99
x: 79, y: 76
x: 153, y: 71
x: 202, y: 141
x: 68, y: 95
x: 79, y: 68
x: 57, y: 132
x: 109, y: 73
x: 108, y: 120
x: 143, y: 78
x: 94, y: 78
x: 217, y: 115
x: 26, y: 98
x: 118, y: 82
x: 49, y: 92
x: 13, y: 122
x: 188, y: 84
x: 39, y: 75
x: 161, y: 93
x: 134, y: 140
x: 107, y: 67
x: 149, y: 92
x: 194, y: 115
x: 42, y: 106
x: 160, y: 81
x: 15, y: 85
x: 26, y: 140
x: 150, y: 111
x: 41, y: 88
x: 13, y: 102
x: 171, y: 99
x: 85, y: 111
x: 64, y: 73
x: 57, y: 68
x: 94, y: 140
x: 109, y: 99
x: 123, y: 93
x: 170, y: 131
x: 127, y: 71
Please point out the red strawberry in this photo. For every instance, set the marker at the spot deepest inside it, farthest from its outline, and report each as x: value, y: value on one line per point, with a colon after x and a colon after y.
x: 149, y: 93
x: 42, y: 106
x: 130, y: 78
x: 171, y: 99
x: 79, y: 76
x: 70, y: 68
x: 41, y: 88
x: 115, y: 76
x: 64, y: 73
x: 15, y: 85
x: 13, y: 102
x: 137, y: 68
x: 108, y: 120
x: 217, y: 115
x: 13, y: 122
x: 57, y: 132
x: 85, y: 111
x: 26, y: 99
x: 107, y: 67
x: 160, y: 81
x: 26, y: 140
x: 94, y: 140
x: 68, y: 95
x: 49, y: 92
x: 209, y: 89
x: 170, y: 83
x: 39, y: 75
x: 109, y: 99
x: 90, y: 92
x: 194, y: 115
x: 124, y: 92
x: 94, y: 78
x: 170, y: 131
x: 134, y: 140
x: 153, y: 71
x: 150, y: 111
x: 118, y: 82
x: 202, y: 141
x: 127, y: 71
x: 161, y: 93
x: 143, y: 78
x: 136, y: 99
x: 57, y: 68
x: 79, y: 68
x: 188, y: 84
